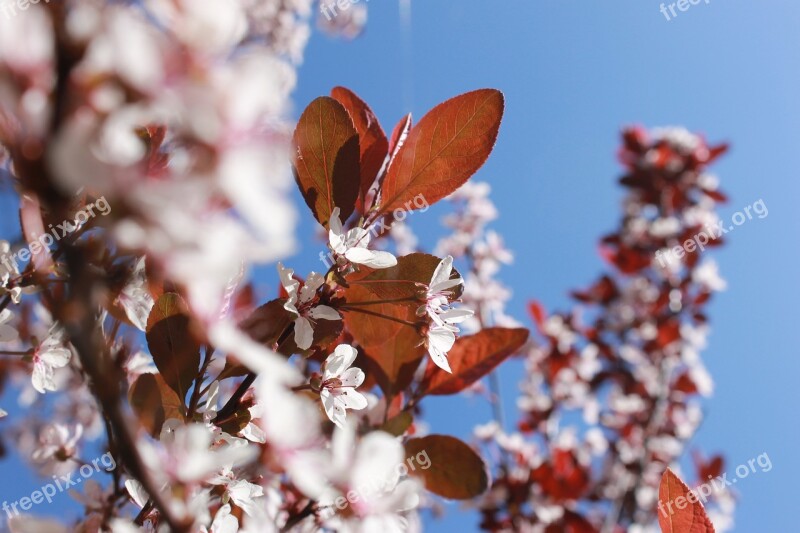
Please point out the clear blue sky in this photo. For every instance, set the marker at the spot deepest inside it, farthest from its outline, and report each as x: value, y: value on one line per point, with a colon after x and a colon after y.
x: 573, y: 74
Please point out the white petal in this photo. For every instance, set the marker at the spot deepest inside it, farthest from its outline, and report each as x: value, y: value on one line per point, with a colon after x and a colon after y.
x: 137, y: 492
x: 335, y: 223
x: 440, y: 359
x: 224, y: 522
x: 352, y: 377
x: 303, y: 333
x: 339, y: 361
x: 333, y: 409
x: 376, y: 458
x: 349, y: 398
x: 370, y: 258
x: 443, y: 270
x: 441, y: 339
x: 56, y: 357
x: 42, y: 378
x: 289, y: 284
x: 454, y: 316
x: 444, y: 285
x: 314, y: 281
x: 336, y: 242
x: 253, y: 433
x: 323, y: 312
x: 357, y: 238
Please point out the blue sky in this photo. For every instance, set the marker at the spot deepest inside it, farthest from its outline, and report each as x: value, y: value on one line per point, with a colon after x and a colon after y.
x: 573, y: 74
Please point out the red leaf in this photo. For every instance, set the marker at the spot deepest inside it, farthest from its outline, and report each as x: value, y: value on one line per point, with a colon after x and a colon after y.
x: 448, y: 146
x: 373, y: 143
x: 400, y: 280
x: 538, y: 313
x: 175, y: 351
x: 154, y: 402
x: 679, y: 510
x: 326, y: 164
x: 453, y: 469
x: 472, y: 358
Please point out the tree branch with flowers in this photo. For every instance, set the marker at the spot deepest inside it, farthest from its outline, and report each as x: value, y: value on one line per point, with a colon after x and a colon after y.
x: 142, y: 335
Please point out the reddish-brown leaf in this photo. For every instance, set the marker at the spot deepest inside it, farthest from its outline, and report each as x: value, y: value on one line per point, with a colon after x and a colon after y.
x: 454, y: 470
x: 400, y: 280
x: 473, y: 357
x: 154, y: 402
x: 448, y: 145
x: 175, y: 351
x: 362, y: 321
x: 326, y: 163
x: 396, y: 361
x: 374, y: 146
x: 679, y: 510
x: 269, y: 323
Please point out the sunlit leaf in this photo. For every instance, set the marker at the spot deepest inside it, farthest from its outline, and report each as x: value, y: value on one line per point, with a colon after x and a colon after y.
x: 372, y: 140
x: 473, y: 357
x: 679, y: 509
x: 448, y: 145
x: 326, y: 162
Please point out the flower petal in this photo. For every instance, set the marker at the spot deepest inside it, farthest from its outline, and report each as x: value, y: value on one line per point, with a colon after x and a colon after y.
x: 349, y: 398
x: 42, y: 378
x: 290, y: 285
x: 56, y: 357
x: 323, y: 312
x: 443, y: 270
x: 454, y: 316
x: 440, y: 359
x: 335, y: 410
x: 370, y: 258
x: 339, y: 361
x: 442, y: 286
x: 335, y: 223
x: 303, y: 333
x: 352, y: 377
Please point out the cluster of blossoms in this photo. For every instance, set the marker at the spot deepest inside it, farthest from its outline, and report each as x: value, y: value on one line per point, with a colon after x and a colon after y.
x: 483, y: 250
x: 626, y: 360
x: 222, y: 415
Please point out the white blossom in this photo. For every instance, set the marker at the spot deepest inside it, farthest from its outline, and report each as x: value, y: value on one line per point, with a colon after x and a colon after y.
x: 135, y: 298
x: 301, y: 303
x: 339, y: 382
x: 50, y: 355
x: 353, y: 245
